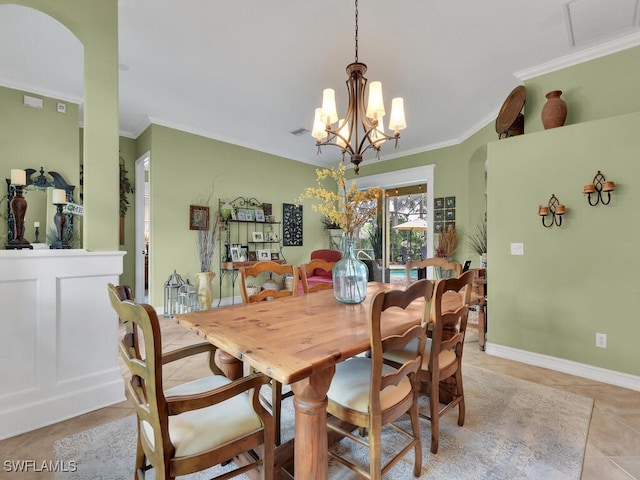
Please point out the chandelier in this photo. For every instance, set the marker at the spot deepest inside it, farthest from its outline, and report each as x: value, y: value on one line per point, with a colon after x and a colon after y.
x: 362, y: 127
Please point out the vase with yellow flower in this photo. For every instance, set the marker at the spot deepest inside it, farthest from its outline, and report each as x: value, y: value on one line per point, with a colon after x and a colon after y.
x: 350, y: 208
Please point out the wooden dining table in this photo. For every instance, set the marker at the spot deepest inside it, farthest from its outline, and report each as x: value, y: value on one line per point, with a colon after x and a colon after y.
x: 298, y: 341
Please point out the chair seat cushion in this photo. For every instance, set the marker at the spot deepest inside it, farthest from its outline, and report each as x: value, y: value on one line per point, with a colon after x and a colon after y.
x: 446, y: 358
x: 351, y: 384
x: 200, y: 430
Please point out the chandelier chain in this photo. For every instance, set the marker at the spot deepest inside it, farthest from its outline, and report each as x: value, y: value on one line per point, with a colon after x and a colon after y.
x: 356, y: 35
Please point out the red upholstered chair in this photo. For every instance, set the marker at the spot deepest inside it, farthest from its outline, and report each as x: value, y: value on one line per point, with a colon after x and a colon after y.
x: 319, y: 276
x: 326, y: 254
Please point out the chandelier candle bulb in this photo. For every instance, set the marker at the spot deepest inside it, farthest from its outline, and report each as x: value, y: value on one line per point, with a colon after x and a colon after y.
x: 59, y: 196
x: 18, y: 177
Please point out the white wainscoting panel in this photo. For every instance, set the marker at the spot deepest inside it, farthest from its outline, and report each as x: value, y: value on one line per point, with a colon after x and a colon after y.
x: 58, y: 336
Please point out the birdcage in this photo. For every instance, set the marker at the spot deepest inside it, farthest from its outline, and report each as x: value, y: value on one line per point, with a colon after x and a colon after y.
x: 171, y: 294
x: 188, y: 298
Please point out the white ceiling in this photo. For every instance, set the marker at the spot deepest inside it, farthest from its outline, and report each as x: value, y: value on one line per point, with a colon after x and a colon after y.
x: 251, y: 72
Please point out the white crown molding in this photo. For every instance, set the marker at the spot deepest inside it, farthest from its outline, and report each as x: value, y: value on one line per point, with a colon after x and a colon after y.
x: 582, y: 56
x: 598, y: 374
x: 40, y: 91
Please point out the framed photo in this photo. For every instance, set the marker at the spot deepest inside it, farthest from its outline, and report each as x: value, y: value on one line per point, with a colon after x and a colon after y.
x: 250, y: 215
x: 438, y: 215
x: 267, y: 208
x: 438, y: 227
x: 198, y: 217
x: 244, y: 250
x: 263, y: 254
x: 450, y: 202
x: 257, y: 237
x: 259, y: 215
x: 450, y: 225
x: 438, y: 202
x: 242, y: 215
x: 251, y: 256
x: 233, y: 214
x: 275, y: 256
x: 235, y: 254
x: 449, y: 215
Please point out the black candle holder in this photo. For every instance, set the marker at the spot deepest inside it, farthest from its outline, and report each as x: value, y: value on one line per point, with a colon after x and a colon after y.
x: 59, y: 220
x: 18, y: 209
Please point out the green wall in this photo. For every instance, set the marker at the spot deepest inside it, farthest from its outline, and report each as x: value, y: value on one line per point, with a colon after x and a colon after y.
x: 184, y: 168
x: 574, y: 280
x: 34, y: 138
x: 128, y: 153
x: 95, y: 24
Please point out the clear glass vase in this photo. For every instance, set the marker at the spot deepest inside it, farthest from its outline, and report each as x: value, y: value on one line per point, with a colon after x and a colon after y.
x: 350, y: 276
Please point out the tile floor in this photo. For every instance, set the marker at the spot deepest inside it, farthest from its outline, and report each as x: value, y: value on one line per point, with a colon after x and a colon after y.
x: 613, y: 445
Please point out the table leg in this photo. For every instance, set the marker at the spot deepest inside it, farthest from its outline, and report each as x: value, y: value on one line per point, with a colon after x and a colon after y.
x: 482, y: 324
x: 310, y: 404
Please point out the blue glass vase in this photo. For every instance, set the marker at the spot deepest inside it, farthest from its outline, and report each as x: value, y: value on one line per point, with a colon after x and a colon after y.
x: 350, y: 276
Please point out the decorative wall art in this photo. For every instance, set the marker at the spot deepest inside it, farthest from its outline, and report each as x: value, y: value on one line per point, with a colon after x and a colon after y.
x: 292, y: 225
x: 198, y: 217
x: 444, y: 213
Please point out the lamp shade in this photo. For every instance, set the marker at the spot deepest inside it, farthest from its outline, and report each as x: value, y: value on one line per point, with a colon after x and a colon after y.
x: 319, y: 130
x: 375, y: 105
x: 343, y: 132
x: 329, y: 111
x: 397, y: 121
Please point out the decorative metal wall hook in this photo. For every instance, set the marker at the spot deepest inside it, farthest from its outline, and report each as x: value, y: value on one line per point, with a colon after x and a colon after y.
x: 599, y: 185
x: 553, y: 208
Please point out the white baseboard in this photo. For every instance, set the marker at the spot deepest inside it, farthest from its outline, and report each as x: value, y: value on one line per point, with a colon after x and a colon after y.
x: 625, y: 380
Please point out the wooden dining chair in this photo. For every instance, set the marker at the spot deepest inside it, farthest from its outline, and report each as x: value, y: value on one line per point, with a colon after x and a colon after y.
x: 366, y: 393
x: 195, y: 425
x: 316, y: 275
x: 451, y: 269
x: 260, y: 270
x: 267, y: 269
x: 441, y: 374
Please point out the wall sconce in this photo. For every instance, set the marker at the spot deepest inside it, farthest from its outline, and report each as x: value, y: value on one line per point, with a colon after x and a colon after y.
x: 555, y: 208
x: 599, y: 185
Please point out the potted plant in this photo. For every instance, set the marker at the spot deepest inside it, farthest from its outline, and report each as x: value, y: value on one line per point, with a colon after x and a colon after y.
x: 477, y: 241
x: 350, y: 208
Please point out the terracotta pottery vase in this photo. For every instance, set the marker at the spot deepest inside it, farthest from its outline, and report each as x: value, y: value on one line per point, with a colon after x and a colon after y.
x: 554, y: 112
x: 205, y: 289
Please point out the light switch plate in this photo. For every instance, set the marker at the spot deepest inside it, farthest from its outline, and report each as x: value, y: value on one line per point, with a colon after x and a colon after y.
x: 517, y: 249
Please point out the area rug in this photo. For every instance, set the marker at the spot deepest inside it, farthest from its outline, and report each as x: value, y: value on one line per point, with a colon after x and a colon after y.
x: 513, y: 429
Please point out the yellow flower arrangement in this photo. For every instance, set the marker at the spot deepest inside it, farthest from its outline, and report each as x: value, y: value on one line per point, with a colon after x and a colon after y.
x: 349, y: 208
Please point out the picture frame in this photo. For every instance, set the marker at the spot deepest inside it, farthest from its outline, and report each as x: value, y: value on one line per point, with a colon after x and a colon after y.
x: 259, y: 215
x: 450, y: 202
x: 233, y: 214
x: 250, y: 215
x: 267, y: 208
x: 235, y: 254
x: 450, y: 225
x: 251, y: 256
x: 438, y: 202
x: 438, y: 215
x: 449, y: 215
x: 275, y: 256
x: 292, y: 234
x: 438, y: 227
x: 244, y: 250
x: 198, y: 217
x: 242, y: 215
x: 263, y: 255
x: 257, y: 237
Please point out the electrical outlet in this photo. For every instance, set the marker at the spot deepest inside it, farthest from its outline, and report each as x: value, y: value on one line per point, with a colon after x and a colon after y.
x: 62, y: 107
x: 601, y: 340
